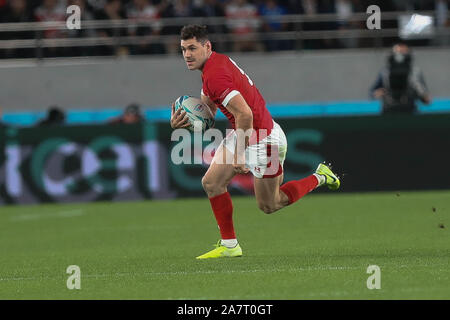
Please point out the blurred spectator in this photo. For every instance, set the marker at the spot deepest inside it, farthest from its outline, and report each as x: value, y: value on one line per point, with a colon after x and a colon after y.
x: 146, y: 23
x: 175, y: 9
x: 111, y: 11
x: 212, y: 8
x: 81, y: 33
x: 16, y: 11
x: 345, y: 10
x: 442, y: 8
x: 132, y: 114
x: 403, y: 5
x: 311, y: 8
x: 51, y: 10
x: 411, y: 5
x: 98, y: 5
x: 55, y: 117
x: 271, y: 12
x: 243, y: 22
x: 400, y: 84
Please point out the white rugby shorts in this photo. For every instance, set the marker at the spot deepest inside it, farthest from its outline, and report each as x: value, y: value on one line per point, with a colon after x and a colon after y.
x: 265, y: 159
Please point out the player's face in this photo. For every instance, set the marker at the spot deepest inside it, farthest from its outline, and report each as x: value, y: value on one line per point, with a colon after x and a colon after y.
x: 195, y: 53
x: 401, y: 48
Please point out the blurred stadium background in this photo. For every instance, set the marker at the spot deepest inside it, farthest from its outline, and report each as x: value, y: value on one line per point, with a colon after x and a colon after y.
x: 314, y: 62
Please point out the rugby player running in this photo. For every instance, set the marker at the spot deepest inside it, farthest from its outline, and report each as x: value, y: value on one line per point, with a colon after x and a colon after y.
x: 257, y: 143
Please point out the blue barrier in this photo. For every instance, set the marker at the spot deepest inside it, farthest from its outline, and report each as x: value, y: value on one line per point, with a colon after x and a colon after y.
x: 278, y: 110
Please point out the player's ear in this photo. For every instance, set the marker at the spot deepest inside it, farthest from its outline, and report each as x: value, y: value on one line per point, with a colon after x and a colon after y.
x: 208, y: 45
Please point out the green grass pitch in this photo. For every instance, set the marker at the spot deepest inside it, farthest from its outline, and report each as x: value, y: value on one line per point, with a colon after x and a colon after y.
x: 318, y: 248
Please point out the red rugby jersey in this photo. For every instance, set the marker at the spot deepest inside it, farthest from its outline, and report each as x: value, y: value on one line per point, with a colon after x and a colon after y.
x: 223, y: 79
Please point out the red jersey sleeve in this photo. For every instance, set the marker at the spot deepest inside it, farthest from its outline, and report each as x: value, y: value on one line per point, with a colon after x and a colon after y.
x: 221, y: 87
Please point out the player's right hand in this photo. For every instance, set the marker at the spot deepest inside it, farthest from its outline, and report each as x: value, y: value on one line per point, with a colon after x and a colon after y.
x: 179, y: 119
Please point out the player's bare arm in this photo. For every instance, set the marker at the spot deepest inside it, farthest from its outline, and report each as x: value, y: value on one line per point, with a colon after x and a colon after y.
x: 244, y: 125
x: 212, y: 106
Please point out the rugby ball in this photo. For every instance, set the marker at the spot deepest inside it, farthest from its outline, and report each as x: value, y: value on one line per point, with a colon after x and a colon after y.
x: 200, y: 116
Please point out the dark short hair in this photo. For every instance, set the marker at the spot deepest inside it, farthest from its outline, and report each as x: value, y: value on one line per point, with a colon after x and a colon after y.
x: 55, y: 113
x: 194, y: 31
x: 400, y: 43
x: 133, y: 108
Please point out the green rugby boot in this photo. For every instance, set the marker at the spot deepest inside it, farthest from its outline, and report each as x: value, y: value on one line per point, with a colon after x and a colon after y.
x: 331, y: 180
x: 222, y: 252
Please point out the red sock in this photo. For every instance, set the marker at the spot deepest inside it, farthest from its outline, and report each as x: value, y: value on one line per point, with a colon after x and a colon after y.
x: 296, y: 189
x: 223, y: 211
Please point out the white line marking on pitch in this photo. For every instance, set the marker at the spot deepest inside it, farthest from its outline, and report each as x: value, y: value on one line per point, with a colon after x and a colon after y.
x: 172, y: 273
x: 38, y: 216
x: 124, y: 274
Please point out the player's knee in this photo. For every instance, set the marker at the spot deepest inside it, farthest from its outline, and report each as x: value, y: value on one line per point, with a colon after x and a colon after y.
x: 212, y: 188
x: 207, y: 184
